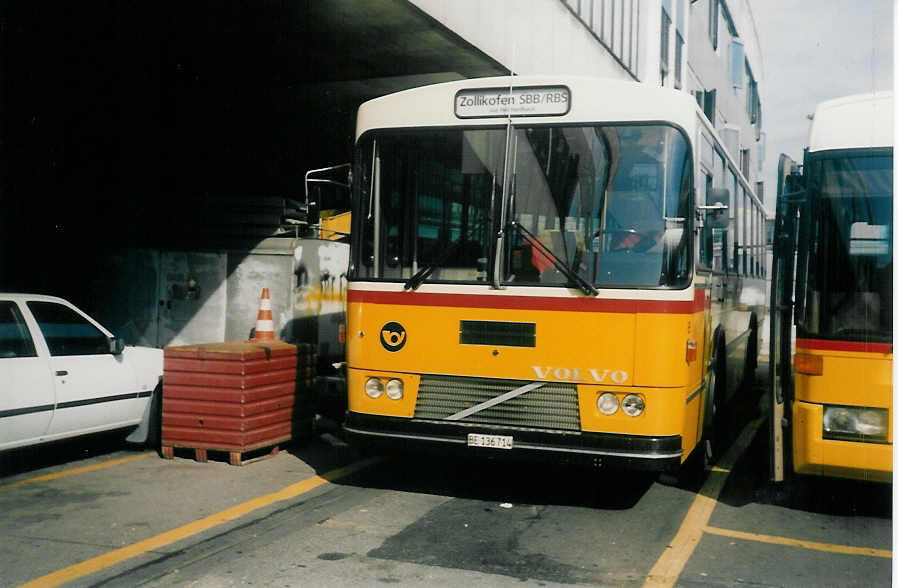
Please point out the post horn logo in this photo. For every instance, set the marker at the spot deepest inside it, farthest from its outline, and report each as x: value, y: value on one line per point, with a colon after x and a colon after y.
x: 392, y: 336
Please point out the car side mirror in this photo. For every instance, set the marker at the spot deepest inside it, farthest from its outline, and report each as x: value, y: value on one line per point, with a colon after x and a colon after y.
x: 715, y: 209
x: 116, y: 346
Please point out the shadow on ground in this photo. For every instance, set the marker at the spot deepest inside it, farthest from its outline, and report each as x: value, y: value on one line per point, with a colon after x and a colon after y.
x: 67, y: 452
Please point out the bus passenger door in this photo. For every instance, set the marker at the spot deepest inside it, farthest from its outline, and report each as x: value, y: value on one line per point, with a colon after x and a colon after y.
x: 785, y: 237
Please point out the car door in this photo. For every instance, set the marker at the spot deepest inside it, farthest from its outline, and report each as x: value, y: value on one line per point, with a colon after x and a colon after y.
x: 95, y: 390
x: 27, y: 395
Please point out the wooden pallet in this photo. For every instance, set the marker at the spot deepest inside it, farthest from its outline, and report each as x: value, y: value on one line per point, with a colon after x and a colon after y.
x: 235, y: 458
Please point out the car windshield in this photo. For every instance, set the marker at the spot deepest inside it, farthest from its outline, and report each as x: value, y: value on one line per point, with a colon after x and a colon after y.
x: 603, y: 205
x: 846, y: 247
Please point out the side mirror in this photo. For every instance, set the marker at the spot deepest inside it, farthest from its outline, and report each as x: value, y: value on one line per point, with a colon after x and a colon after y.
x: 116, y: 346
x: 716, y: 207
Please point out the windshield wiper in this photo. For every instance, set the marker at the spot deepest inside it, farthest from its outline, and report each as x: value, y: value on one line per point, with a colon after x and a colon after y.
x: 562, y: 266
x: 423, y: 273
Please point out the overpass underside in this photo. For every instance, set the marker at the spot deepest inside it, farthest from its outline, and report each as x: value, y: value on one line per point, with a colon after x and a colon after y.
x: 138, y: 126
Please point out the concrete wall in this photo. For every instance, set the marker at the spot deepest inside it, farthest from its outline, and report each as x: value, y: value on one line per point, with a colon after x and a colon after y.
x: 161, y: 297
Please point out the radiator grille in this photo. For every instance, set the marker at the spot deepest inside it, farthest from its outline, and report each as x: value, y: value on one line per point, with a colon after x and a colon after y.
x: 552, y: 406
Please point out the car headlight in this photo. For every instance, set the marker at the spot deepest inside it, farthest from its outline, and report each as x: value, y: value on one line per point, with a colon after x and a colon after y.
x: 853, y: 423
x: 633, y: 405
x: 607, y: 403
x: 394, y: 389
x: 374, y: 387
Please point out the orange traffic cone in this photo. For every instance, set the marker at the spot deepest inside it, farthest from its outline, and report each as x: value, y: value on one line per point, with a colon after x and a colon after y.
x: 264, y: 322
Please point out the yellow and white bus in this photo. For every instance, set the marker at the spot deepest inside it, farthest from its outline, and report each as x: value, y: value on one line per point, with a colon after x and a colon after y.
x: 566, y: 268
x: 832, y: 386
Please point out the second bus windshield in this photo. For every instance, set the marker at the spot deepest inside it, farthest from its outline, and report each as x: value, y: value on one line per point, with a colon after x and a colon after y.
x: 608, y: 202
x: 845, y: 253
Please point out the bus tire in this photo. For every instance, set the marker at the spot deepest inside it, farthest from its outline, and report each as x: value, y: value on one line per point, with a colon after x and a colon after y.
x: 714, y: 435
x: 751, y: 353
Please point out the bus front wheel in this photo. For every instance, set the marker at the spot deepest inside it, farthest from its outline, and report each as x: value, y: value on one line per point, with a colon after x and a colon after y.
x: 715, y: 434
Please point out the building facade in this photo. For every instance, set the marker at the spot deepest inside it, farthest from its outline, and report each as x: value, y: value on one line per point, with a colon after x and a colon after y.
x: 708, y: 48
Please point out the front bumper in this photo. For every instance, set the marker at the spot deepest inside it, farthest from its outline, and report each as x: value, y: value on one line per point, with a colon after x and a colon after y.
x: 814, y: 455
x: 632, y: 452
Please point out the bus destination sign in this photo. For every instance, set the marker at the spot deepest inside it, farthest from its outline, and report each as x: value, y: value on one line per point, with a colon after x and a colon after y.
x: 525, y: 101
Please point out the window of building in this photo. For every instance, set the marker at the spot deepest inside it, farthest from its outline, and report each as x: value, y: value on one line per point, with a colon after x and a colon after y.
x: 678, y: 64
x: 626, y: 31
x: 607, y: 33
x: 634, y: 46
x: 758, y: 121
x: 585, y: 10
x: 615, y: 23
x: 737, y: 58
x: 680, y: 43
x: 665, y: 44
x: 752, y: 101
x: 618, y: 45
x: 713, y: 15
x: 744, y: 162
x: 710, y: 104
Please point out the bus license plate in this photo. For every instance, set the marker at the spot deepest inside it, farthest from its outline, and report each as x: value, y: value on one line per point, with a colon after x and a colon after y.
x: 494, y: 441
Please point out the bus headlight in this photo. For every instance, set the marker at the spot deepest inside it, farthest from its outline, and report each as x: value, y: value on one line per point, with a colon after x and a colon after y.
x: 633, y: 405
x: 374, y: 388
x: 607, y: 403
x: 851, y: 423
x: 394, y: 389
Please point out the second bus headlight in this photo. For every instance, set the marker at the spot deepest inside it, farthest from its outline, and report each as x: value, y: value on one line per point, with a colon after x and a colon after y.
x: 633, y: 405
x: 851, y: 423
x: 394, y: 389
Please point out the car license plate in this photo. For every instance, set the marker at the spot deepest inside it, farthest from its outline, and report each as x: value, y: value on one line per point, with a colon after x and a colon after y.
x: 494, y: 441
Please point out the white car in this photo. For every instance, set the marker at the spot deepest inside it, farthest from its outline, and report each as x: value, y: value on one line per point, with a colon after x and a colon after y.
x: 63, y: 375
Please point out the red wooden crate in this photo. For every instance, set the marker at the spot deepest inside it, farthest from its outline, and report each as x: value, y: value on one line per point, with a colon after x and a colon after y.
x: 237, y: 397
x: 207, y: 407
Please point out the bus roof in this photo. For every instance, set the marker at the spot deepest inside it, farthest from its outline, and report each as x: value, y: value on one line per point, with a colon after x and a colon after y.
x: 591, y: 100
x: 859, y: 121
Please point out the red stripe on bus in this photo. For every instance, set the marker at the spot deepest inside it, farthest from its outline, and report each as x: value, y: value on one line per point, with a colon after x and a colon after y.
x: 856, y: 346
x: 618, y: 305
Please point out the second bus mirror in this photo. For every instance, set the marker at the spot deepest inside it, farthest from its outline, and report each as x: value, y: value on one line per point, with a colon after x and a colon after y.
x: 716, y: 207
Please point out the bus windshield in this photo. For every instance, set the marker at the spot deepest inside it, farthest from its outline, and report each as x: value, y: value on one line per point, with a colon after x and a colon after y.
x: 846, y: 248
x: 606, y: 205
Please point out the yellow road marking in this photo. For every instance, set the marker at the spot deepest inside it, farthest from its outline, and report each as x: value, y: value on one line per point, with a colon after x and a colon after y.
x: 788, y: 541
x: 76, y: 471
x: 671, y: 563
x: 111, y: 558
